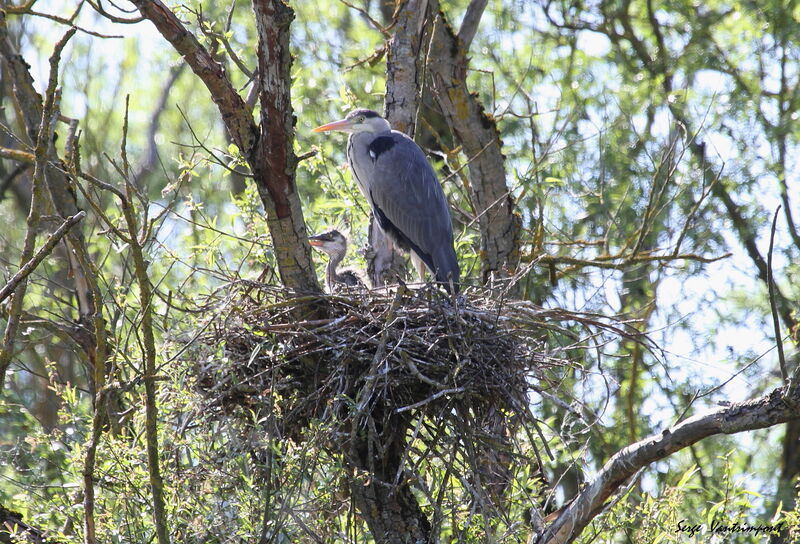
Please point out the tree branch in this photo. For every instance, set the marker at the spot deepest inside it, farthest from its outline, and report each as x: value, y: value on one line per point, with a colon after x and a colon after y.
x: 780, y: 406
x: 18, y: 155
x: 273, y: 161
x: 472, y: 18
x: 151, y: 156
x: 49, y: 112
x: 476, y: 130
x: 45, y: 250
x: 57, y: 191
x: 238, y: 121
x: 268, y: 149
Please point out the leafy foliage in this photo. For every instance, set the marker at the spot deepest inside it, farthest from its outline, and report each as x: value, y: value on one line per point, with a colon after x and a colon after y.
x: 602, y: 108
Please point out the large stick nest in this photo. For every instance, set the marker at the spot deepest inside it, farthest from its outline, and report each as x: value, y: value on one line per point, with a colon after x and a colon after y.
x: 307, y: 358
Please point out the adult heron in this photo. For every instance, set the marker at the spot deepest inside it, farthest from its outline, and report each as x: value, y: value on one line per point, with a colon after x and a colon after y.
x: 334, y: 244
x: 402, y: 190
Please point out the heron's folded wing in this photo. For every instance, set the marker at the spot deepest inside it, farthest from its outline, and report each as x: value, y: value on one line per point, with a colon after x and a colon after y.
x: 405, y: 191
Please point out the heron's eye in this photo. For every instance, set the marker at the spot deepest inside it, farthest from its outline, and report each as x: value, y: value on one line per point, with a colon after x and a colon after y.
x: 361, y: 119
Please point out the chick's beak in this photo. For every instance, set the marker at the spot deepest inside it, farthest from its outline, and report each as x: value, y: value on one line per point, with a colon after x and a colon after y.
x: 342, y: 124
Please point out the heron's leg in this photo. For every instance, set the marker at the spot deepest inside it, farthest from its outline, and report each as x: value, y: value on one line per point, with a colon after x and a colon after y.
x: 419, y: 265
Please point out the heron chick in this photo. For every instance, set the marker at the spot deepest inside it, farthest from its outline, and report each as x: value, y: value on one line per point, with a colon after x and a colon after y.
x: 402, y: 190
x: 334, y: 244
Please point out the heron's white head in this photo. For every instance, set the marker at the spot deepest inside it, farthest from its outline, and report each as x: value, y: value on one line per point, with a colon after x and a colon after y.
x: 360, y: 120
x: 331, y: 242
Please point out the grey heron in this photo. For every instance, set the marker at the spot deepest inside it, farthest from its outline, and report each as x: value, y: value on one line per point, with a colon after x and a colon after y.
x: 402, y: 190
x: 334, y: 244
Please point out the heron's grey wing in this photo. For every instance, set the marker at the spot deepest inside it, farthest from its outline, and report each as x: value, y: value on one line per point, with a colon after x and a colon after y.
x: 405, y: 191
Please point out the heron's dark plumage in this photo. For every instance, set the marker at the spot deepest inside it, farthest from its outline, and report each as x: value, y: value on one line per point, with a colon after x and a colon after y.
x: 380, y: 145
x: 400, y: 238
x: 409, y: 204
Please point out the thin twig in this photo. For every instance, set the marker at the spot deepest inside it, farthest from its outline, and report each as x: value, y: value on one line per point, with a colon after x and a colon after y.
x: 430, y: 399
x: 64, y: 21
x: 772, y: 301
x: 379, y: 27
x: 45, y: 250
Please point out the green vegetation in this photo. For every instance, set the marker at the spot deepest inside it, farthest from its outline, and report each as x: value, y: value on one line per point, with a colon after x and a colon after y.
x: 647, y: 148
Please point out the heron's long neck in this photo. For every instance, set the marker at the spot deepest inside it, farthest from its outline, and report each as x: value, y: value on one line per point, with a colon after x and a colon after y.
x: 330, y: 271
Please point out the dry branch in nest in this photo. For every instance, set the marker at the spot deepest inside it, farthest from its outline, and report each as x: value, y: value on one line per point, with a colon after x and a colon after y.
x: 373, y: 352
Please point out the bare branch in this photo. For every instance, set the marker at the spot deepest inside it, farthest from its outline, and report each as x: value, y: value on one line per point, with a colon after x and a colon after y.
x: 472, y: 18
x: 379, y: 27
x: 68, y: 22
x: 49, y: 112
x: 238, y: 121
x: 772, y: 302
x: 780, y: 406
x: 17, y: 155
x: 621, y: 261
x: 22, y: 8
x: 98, y: 7
x: 151, y: 156
x: 43, y: 252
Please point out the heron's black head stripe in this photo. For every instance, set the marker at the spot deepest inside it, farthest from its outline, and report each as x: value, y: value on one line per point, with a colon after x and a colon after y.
x: 362, y: 111
x: 327, y: 236
x: 380, y: 145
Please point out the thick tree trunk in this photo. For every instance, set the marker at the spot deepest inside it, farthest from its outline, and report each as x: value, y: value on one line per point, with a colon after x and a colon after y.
x: 272, y: 160
x: 383, y: 495
x: 401, y: 104
x: 404, y: 73
x: 268, y: 147
x: 477, y: 133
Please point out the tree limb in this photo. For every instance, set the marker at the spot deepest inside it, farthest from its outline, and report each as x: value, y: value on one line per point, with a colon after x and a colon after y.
x: 240, y: 124
x: 472, y: 18
x: 476, y: 130
x: 45, y: 250
x: 268, y: 149
x: 780, y: 406
x: 17, y: 155
x: 151, y: 156
x: 49, y: 112
x: 273, y: 161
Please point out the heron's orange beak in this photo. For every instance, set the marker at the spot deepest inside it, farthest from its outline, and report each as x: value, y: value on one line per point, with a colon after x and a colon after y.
x: 315, y: 243
x: 342, y: 124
